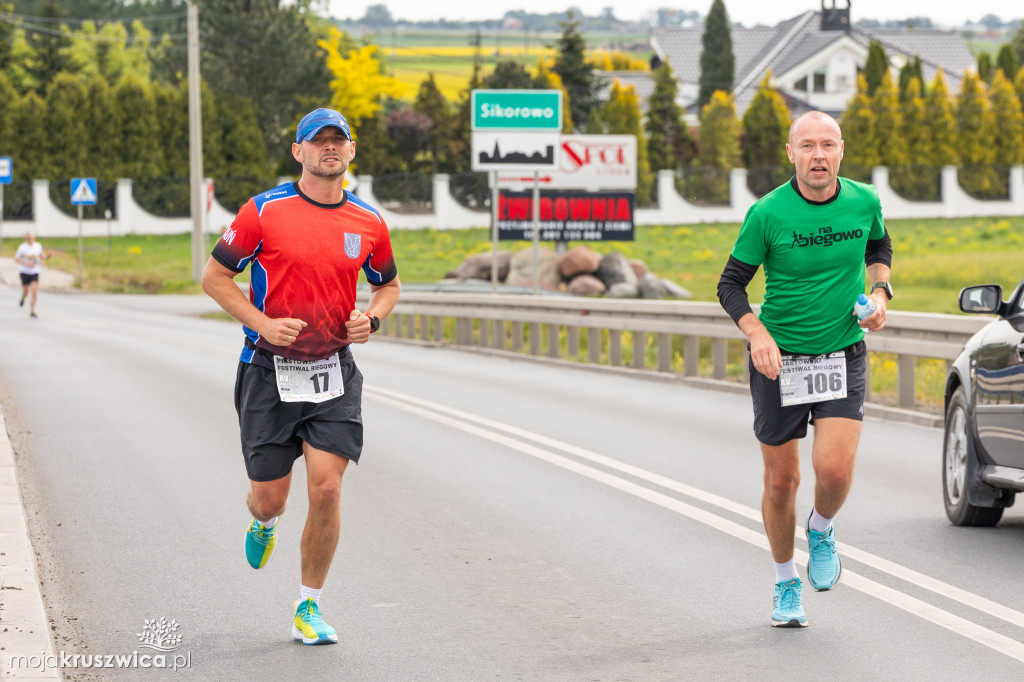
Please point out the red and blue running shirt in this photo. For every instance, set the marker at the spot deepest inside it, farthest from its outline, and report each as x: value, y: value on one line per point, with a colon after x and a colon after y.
x: 305, y: 259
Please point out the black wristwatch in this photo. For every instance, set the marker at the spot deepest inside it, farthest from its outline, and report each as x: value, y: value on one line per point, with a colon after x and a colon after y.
x: 884, y: 286
x: 375, y: 323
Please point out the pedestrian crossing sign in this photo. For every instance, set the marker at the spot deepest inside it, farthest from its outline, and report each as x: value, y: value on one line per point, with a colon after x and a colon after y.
x: 83, y: 191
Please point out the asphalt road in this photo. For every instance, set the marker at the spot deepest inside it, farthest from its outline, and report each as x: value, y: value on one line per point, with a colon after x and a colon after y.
x: 509, y: 520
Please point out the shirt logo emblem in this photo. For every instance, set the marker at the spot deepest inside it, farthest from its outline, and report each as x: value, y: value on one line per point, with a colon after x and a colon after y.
x: 353, y: 245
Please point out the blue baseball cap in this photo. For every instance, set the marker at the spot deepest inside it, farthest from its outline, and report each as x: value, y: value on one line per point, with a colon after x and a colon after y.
x: 318, y: 119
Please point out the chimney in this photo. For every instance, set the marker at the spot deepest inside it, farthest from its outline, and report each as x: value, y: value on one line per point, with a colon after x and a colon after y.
x: 835, y: 19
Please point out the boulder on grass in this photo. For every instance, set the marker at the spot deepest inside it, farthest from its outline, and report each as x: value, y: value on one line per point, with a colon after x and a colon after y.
x: 586, y: 285
x: 478, y: 266
x: 579, y: 260
x: 520, y: 271
x: 615, y: 269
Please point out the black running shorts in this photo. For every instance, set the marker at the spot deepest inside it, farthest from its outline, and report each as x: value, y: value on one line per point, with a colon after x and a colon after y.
x: 775, y: 424
x: 273, y: 431
x: 27, y: 279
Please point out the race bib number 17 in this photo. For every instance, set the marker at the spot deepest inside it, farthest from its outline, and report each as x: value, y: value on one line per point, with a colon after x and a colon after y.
x: 308, y: 381
x: 812, y: 379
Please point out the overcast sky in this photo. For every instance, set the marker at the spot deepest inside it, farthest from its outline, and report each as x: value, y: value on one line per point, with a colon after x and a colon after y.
x: 749, y: 12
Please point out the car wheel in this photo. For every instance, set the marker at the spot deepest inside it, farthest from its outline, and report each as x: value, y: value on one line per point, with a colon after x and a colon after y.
x: 960, y: 467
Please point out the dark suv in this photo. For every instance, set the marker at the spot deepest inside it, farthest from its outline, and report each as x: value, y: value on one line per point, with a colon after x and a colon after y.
x: 983, y: 456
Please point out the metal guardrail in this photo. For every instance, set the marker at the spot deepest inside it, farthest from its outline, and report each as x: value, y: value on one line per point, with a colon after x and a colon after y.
x: 535, y: 324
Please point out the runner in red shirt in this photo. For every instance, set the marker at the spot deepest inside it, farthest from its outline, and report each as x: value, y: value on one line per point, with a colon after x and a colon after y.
x: 298, y: 390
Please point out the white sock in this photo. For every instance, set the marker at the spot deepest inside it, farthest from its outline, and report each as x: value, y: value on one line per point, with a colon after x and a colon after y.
x: 309, y: 593
x: 818, y: 522
x: 269, y: 524
x: 785, y: 572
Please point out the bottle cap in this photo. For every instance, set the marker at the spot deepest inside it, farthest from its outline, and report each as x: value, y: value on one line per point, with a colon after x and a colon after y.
x: 862, y: 299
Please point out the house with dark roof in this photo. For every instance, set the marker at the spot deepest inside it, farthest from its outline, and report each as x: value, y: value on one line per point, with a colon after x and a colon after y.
x: 814, y: 58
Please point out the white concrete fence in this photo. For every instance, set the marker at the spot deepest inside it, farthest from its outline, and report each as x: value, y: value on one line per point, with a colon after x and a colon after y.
x: 49, y: 221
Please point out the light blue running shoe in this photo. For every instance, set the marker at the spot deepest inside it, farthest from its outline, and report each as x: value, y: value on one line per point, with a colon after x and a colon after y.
x: 823, y: 563
x: 260, y: 543
x: 789, y: 611
x: 309, y: 626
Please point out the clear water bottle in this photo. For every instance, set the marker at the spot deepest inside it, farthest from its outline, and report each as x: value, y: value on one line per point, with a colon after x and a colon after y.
x: 864, y: 307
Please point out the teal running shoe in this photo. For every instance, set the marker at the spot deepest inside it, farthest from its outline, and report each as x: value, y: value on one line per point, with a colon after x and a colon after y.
x: 309, y: 625
x: 823, y: 563
x: 789, y: 611
x: 260, y: 543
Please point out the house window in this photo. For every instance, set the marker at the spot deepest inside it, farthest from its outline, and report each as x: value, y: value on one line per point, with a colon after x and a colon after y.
x: 819, y: 80
x: 801, y: 84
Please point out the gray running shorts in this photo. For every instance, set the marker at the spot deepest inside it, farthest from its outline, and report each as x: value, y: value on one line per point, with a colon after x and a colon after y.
x: 775, y: 424
x: 273, y: 431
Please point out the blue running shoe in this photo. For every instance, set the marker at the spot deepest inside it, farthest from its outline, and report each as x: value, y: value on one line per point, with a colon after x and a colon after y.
x: 260, y: 543
x: 309, y: 625
x: 823, y: 564
x: 789, y: 611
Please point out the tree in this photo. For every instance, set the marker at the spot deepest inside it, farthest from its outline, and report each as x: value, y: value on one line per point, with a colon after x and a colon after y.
x: 359, y: 86
x: 463, y: 120
x: 622, y: 117
x: 49, y: 47
x: 546, y: 79
x: 6, y: 38
x: 1008, y: 124
x: 717, y: 62
x: 376, y: 153
x: 378, y: 16
x: 1017, y: 43
x: 719, y: 147
x: 100, y: 124
x: 8, y: 108
x: 243, y: 165
x: 1007, y: 61
x: 985, y: 67
x: 508, y: 74
x: 766, y: 129
x: 442, y: 144
x: 1018, y: 85
x: 29, y: 161
x: 974, y: 128
x: 576, y: 73
x: 266, y: 51
x: 410, y: 130
x: 66, y: 99
x: 136, y: 153
x: 915, y: 179
x: 860, y: 152
x: 877, y: 65
x: 669, y: 143
x: 910, y: 71
x: 890, y: 145
x: 941, y: 117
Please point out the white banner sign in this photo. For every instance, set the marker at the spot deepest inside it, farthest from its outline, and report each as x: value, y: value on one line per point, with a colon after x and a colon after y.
x: 594, y: 162
x: 515, y: 151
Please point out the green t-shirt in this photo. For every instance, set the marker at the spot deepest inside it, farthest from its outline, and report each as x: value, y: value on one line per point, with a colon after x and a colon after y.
x: 813, y: 257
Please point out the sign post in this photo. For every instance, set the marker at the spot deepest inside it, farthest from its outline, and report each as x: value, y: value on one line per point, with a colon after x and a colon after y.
x: 83, y: 193
x: 516, y: 130
x: 6, y: 175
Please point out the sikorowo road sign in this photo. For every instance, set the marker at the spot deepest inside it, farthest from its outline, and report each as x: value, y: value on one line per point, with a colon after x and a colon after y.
x: 521, y: 110
x: 83, y: 191
x: 6, y: 170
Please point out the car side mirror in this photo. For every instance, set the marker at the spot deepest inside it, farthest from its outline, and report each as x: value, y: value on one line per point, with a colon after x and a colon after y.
x: 984, y: 298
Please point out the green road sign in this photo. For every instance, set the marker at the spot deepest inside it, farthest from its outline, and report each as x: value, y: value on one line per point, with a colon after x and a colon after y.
x: 523, y: 110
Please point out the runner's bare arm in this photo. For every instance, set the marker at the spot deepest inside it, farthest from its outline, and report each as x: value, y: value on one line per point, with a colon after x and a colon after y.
x: 382, y: 302
x: 219, y: 284
x: 764, y: 352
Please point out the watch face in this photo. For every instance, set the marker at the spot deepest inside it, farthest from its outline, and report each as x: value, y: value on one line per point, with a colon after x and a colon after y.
x: 374, y: 323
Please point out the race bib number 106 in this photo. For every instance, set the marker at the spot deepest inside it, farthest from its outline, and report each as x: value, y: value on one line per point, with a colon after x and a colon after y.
x: 812, y: 379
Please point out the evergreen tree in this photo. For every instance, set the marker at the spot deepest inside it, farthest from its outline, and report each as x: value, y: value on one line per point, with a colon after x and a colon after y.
x: 376, y: 153
x: 1017, y: 43
x: 463, y: 121
x: 985, y: 67
x: 974, y: 128
x: 576, y: 73
x: 172, y: 123
x: 860, y: 153
x: 669, y: 143
x: 940, y: 114
x: 719, y: 148
x: 717, y: 62
x: 29, y: 162
x: 243, y: 166
x: 509, y: 74
x: 50, y: 46
x: 1018, y: 85
x: 6, y: 38
x: 890, y: 145
x: 66, y: 99
x: 409, y: 130
x: 1007, y: 127
x: 877, y: 65
x: 546, y: 79
x: 915, y: 179
x: 910, y: 71
x: 137, y: 152
x: 1007, y: 61
x: 443, y: 137
x: 766, y: 129
x: 622, y: 117
x: 100, y: 124
x: 8, y: 108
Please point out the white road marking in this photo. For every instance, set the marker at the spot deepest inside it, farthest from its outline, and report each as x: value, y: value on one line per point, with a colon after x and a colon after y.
x: 461, y: 420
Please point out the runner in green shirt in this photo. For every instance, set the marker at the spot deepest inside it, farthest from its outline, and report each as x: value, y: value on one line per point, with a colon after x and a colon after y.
x: 814, y: 235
